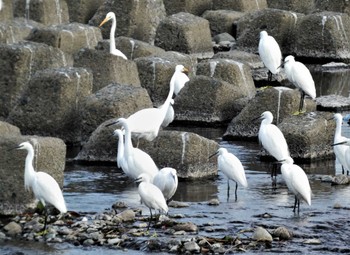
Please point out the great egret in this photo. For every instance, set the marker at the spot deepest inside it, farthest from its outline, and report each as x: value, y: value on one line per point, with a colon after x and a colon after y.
x: 120, y: 156
x: 136, y: 160
x: 43, y: 185
x: 272, y: 139
x: 270, y: 53
x: 232, y: 167
x: 297, y: 182
x: 300, y: 76
x: 340, y: 150
x: 112, y: 49
x: 151, y: 195
x: 180, y: 78
x: 166, y: 180
x: 170, y: 114
x: 146, y: 122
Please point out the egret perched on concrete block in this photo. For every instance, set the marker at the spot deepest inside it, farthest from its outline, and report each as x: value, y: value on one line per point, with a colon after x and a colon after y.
x: 232, y: 167
x: 270, y: 54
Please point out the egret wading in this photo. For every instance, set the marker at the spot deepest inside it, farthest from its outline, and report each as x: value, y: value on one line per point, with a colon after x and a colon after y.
x: 272, y: 139
x: 300, y: 76
x: 232, y: 167
x: 340, y: 150
x: 270, y: 54
x: 345, y: 142
x: 112, y: 49
x: 296, y: 181
x: 151, y: 195
x: 147, y: 122
x: 166, y: 180
x: 43, y: 185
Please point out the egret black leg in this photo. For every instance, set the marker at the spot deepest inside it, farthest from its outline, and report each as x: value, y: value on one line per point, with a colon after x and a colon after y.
x: 236, y: 191
x: 269, y: 76
x: 295, y: 203
x: 342, y: 169
x: 45, y: 219
x: 228, y: 189
x: 302, y: 97
x: 150, y: 218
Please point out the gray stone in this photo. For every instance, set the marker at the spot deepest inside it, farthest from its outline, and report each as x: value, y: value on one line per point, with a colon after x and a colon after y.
x: 250, y: 59
x: 239, y: 5
x: 261, y: 234
x: 127, y: 215
x: 282, y: 233
x: 195, y: 7
x: 192, y: 247
x: 70, y: 38
x: 334, y: 103
x: 6, y: 13
x: 223, y: 37
x: 107, y: 68
x: 48, y: 12
x: 82, y: 11
x: 294, y: 5
x: 112, y: 101
x: 6, y: 129
x: 185, y: 33
x: 340, y: 179
x: 2, y: 236
x: 186, y: 226
x: 136, y: 19
x: 177, y: 204
x: 313, y: 241
x: 335, y: 6
x: 114, y: 241
x: 30, y: 57
x: 132, y: 48
x: 13, y: 228
x: 221, y: 21
x: 52, y: 103
x: 49, y: 157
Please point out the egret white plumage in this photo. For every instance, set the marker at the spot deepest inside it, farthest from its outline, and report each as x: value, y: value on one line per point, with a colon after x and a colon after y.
x: 151, y: 195
x: 300, y: 76
x: 112, y: 49
x: 43, y: 185
x: 232, y: 167
x: 296, y: 181
x: 345, y: 142
x: 166, y: 180
x: 340, y: 150
x: 179, y: 78
x: 272, y: 139
x: 270, y: 54
x: 170, y: 114
x: 120, y: 155
x: 137, y: 161
x: 146, y: 122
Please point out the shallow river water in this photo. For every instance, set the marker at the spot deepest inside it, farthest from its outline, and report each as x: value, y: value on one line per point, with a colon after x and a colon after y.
x: 92, y: 189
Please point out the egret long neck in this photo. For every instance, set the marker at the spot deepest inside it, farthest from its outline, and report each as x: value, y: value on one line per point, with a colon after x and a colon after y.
x: 338, y: 128
x: 120, y: 147
x: 112, y: 35
x: 128, y: 143
x: 29, y: 173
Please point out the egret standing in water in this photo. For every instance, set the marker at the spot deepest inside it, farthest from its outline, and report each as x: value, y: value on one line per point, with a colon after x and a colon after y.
x: 112, y: 49
x: 166, y: 180
x: 300, y: 76
x: 232, y: 167
x: 43, y: 185
x: 340, y: 150
x: 151, y: 195
x: 270, y: 54
x: 180, y: 78
x: 297, y: 182
x: 272, y: 139
x: 346, y: 143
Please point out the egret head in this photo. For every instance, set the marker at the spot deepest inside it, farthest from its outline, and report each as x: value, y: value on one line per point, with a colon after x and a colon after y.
x: 289, y: 59
x: 23, y: 146
x: 263, y: 34
x: 181, y: 68
x: 109, y: 16
x: 220, y: 151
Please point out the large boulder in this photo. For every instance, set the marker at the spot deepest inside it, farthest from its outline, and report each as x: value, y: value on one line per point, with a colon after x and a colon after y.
x: 82, y: 11
x: 50, y: 155
x: 136, y: 19
x: 107, y: 68
x: 301, y: 6
x: 221, y: 21
x: 195, y: 7
x: 334, y: 6
x: 185, y: 33
x: 18, y: 63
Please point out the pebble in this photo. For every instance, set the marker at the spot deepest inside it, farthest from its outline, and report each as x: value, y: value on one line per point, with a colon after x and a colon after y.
x: 13, y: 228
x: 261, y: 234
x: 127, y: 215
x: 192, y: 247
x: 282, y: 233
x: 177, y: 204
x: 214, y: 201
x: 312, y: 241
x: 187, y: 226
x: 114, y: 241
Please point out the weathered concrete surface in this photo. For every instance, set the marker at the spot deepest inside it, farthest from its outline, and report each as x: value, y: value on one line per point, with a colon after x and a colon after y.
x: 6, y: 13
x: 239, y: 5
x: 50, y: 156
x: 294, y: 5
x: 334, y: 6
x: 186, y: 33
x: 7, y: 129
x: 82, y: 11
x: 221, y: 21
x: 195, y: 7
x: 52, y: 103
x: 333, y: 103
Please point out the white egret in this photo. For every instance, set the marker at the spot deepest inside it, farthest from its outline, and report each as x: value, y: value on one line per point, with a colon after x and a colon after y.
x: 166, y: 180
x: 270, y: 54
x: 272, y: 139
x: 43, y: 185
x: 137, y: 161
x: 112, y: 49
x: 297, y: 181
x: 147, y: 122
x: 170, y: 114
x: 180, y: 78
x: 120, y: 156
x: 232, y: 167
x: 345, y: 142
x: 300, y: 76
x: 340, y: 151
x: 151, y: 195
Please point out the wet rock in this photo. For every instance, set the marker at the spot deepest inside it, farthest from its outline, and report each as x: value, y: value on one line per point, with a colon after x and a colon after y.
x: 13, y: 228
x: 293, y: 5
x: 2, y: 236
x: 282, y: 233
x: 82, y: 11
x: 186, y: 226
x: 70, y: 38
x: 127, y: 215
x: 178, y: 204
x: 239, y: 5
x: 119, y: 205
x: 114, y: 241
x: 221, y: 21
x: 326, y: 178
x: 136, y: 19
x: 192, y: 35
x: 54, y: 96
x: 29, y: 59
x: 196, y: 7
x: 118, y: 69
x: 50, y: 153
x: 88, y: 242
x: 261, y: 234
x: 214, y: 201
x: 333, y: 103
x: 48, y: 12
x: 312, y: 241
x: 192, y: 247
x: 337, y: 206
x: 340, y: 179
x: 114, y: 100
